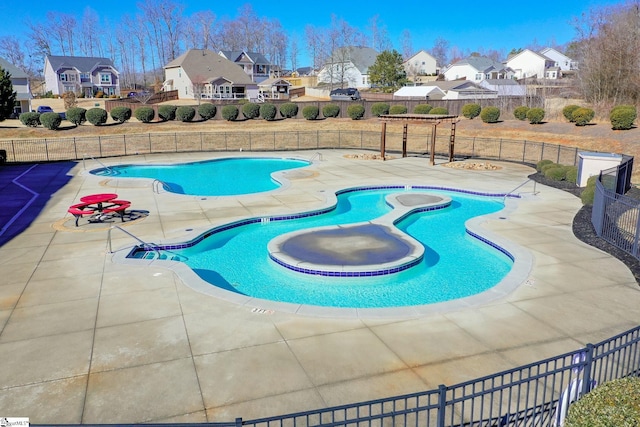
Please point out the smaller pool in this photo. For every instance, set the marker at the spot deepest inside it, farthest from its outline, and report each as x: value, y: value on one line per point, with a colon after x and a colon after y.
x: 218, y: 177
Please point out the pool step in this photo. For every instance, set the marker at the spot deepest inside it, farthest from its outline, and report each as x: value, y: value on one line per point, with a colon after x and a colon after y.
x: 163, y: 256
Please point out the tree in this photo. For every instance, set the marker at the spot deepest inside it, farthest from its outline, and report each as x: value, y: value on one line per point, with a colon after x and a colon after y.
x: 388, y: 71
x: 440, y: 51
x: 7, y: 95
x: 379, y: 36
x: 407, y: 45
x: 609, y: 45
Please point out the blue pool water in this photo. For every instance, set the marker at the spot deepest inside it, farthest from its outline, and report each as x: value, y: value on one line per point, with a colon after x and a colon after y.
x: 455, y: 264
x: 219, y: 177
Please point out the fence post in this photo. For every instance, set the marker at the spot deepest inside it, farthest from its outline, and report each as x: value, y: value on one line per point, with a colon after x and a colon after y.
x: 75, y: 148
x: 149, y: 142
x: 46, y: 149
x: 500, y: 150
x: 588, y: 374
x: 100, y: 145
x: 442, y: 404
x: 524, y: 150
x: 124, y: 140
x: 175, y: 140
x: 239, y: 422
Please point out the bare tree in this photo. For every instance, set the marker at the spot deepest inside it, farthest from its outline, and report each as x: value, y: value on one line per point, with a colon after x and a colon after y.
x: 407, y: 44
x: 379, y: 37
x: 170, y: 14
x: 294, y: 52
x: 11, y: 50
x: 199, y: 30
x: 89, y: 32
x: 440, y: 51
x: 316, y: 46
x: 609, y: 45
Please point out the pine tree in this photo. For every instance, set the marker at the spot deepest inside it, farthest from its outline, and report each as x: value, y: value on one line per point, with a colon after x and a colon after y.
x: 7, y: 95
x: 388, y: 71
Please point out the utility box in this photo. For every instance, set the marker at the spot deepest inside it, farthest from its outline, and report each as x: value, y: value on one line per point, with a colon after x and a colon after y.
x: 590, y: 164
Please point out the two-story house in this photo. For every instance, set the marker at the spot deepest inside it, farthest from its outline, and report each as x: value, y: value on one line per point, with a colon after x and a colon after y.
x: 201, y: 73
x: 348, y: 67
x: 420, y: 64
x: 20, y: 83
x: 254, y: 64
x: 81, y: 75
x: 561, y: 60
x: 528, y: 64
x: 476, y: 69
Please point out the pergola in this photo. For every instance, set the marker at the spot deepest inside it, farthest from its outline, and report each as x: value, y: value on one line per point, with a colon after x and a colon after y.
x: 433, y: 119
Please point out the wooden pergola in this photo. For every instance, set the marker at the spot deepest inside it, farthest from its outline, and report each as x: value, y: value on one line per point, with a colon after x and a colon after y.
x: 433, y: 119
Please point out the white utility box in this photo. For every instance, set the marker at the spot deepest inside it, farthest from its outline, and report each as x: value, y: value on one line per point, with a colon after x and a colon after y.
x: 590, y: 164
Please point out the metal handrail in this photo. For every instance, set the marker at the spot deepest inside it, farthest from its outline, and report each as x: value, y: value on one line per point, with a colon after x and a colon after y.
x: 318, y: 156
x: 95, y: 160
x: 144, y: 244
x: 155, y: 184
x: 504, y: 198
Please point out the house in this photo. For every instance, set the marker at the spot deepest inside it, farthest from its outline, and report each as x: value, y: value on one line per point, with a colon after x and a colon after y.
x: 420, y: 64
x: 504, y: 87
x: 528, y: 63
x: 201, y: 73
x: 254, y: 64
x: 348, y: 67
x: 463, y: 89
x: 476, y: 69
x: 81, y: 75
x: 20, y: 82
x: 419, y: 92
x: 560, y: 59
x: 274, y: 88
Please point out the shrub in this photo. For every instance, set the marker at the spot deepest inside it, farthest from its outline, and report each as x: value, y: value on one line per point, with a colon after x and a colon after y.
x: 556, y: 172
x: 96, y: 116
x: 229, y: 112
x: 185, y: 113
x: 207, y: 111
x: 622, y: 117
x: 289, y: 110
x: 310, y: 112
x: 167, y: 112
x: 145, y: 114
x: 268, y: 112
x: 471, y: 110
x: 50, y: 121
x: 422, y: 109
x: 397, y: 109
x: 121, y: 114
x: 251, y: 110
x: 331, y: 110
x: 544, y: 168
x: 614, y: 403
x: 589, y: 192
x: 69, y: 100
x: 520, y: 113
x: 582, y: 116
x: 378, y: 109
x: 490, y: 114
x: 543, y: 163
x: 567, y: 112
x: 99, y: 94
x: 572, y: 174
x: 355, y: 111
x: 535, y: 115
x: 30, y: 119
x: 439, y: 110
x: 76, y: 115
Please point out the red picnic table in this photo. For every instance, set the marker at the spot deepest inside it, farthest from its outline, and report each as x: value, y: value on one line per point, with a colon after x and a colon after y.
x: 96, y: 205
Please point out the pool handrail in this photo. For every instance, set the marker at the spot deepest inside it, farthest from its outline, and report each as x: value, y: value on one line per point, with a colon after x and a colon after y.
x: 144, y: 244
x: 95, y: 160
x: 504, y: 198
x: 156, y: 183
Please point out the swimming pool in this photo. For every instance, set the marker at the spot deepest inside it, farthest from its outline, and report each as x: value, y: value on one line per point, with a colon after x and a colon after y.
x: 217, y: 177
x: 456, y: 262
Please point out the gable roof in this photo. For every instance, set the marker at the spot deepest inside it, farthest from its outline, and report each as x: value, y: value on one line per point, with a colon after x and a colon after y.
x: 361, y: 57
x: 15, y: 72
x: 419, y: 53
x: 552, y: 50
x: 209, y: 66
x: 481, y: 63
x: 84, y: 64
x: 418, y: 91
x: 274, y: 81
x: 235, y: 55
x: 539, y: 55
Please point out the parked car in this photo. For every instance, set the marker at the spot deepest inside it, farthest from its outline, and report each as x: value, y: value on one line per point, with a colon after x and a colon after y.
x: 348, y: 94
x: 46, y: 109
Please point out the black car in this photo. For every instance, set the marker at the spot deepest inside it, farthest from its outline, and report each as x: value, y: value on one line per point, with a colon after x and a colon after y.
x: 348, y: 94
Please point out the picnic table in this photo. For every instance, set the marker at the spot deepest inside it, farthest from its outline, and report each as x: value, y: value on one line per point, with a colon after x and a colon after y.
x: 97, y: 206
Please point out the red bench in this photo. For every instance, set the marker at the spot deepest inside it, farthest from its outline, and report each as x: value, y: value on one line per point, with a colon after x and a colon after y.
x: 117, y: 207
x: 79, y: 210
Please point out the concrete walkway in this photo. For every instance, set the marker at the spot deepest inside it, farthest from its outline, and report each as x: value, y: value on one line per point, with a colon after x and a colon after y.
x: 87, y: 340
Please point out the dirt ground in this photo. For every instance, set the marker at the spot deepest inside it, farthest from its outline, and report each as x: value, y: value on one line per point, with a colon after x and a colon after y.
x: 594, y: 137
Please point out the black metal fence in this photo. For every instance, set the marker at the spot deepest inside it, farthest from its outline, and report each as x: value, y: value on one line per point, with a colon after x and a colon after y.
x: 616, y: 217
x: 77, y: 148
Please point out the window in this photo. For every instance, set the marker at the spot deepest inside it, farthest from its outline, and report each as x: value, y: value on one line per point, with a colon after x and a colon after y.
x: 63, y: 77
x: 479, y: 76
x: 69, y: 88
x: 85, y: 77
x: 105, y: 78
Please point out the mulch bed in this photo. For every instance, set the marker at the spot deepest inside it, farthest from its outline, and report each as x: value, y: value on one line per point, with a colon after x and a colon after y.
x: 583, y: 229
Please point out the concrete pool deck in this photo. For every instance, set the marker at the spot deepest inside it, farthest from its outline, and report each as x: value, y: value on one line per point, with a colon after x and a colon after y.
x: 87, y: 340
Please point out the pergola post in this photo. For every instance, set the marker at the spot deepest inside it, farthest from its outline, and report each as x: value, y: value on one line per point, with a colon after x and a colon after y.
x: 404, y: 140
x: 383, y: 139
x: 432, y: 151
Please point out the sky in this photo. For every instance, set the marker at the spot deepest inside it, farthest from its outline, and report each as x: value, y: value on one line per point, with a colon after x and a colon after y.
x: 469, y: 26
